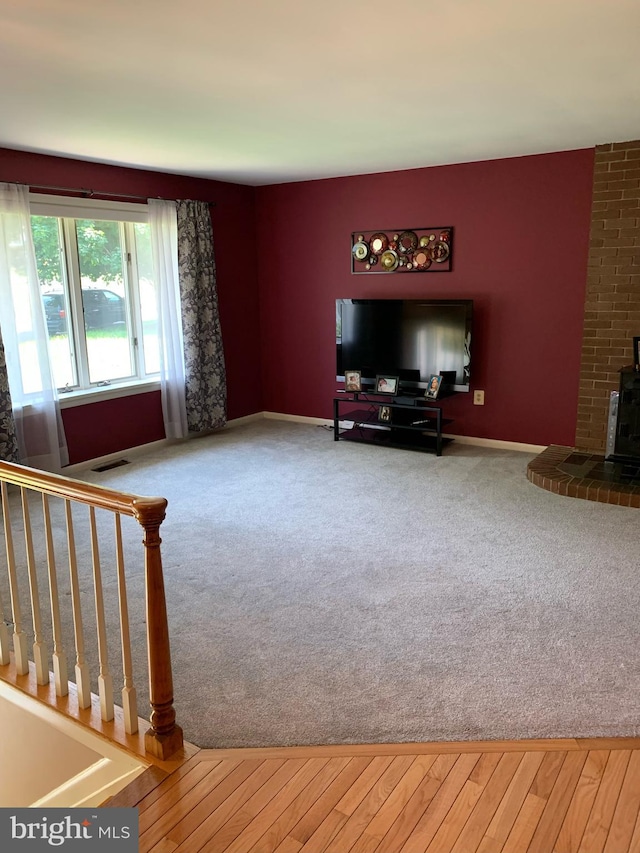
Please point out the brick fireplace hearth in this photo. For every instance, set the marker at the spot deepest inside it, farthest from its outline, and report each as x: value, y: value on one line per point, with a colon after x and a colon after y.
x: 566, y: 471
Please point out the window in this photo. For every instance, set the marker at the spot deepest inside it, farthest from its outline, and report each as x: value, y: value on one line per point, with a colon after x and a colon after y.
x: 97, y: 289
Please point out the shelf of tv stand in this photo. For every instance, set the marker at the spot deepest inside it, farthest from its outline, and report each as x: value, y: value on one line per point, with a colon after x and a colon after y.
x: 415, y: 425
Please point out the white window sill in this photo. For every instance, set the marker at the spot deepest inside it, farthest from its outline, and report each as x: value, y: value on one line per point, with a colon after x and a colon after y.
x: 106, y: 392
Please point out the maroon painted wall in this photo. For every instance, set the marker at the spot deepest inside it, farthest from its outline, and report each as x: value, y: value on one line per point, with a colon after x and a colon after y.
x: 521, y: 245
x: 108, y: 426
x: 521, y: 240
x: 129, y: 421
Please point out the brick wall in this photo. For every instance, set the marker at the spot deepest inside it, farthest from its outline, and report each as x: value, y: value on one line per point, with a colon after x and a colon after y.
x: 612, y: 303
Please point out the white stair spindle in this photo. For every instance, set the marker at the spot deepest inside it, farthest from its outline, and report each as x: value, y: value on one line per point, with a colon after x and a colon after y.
x: 40, y: 652
x: 4, y: 638
x: 5, y: 644
x: 19, y: 637
x: 83, y: 681
x: 129, y: 697
x: 105, y: 679
x: 60, y: 672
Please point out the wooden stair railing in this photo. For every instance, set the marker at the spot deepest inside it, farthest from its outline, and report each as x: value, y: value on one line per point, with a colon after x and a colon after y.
x: 164, y: 737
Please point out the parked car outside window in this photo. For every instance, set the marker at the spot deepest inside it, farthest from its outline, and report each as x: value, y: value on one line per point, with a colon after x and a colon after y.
x: 102, y: 310
x: 55, y: 313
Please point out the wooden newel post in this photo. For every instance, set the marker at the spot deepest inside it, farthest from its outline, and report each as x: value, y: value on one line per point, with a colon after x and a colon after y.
x: 164, y: 737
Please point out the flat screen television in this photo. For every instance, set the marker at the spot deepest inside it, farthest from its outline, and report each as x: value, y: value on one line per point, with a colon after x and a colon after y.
x: 409, y: 338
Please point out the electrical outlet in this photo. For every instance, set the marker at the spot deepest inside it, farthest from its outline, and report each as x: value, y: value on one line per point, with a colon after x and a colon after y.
x: 478, y: 398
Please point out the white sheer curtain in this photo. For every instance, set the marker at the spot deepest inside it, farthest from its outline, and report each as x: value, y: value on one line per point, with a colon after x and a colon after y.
x: 164, y: 243
x: 36, y: 410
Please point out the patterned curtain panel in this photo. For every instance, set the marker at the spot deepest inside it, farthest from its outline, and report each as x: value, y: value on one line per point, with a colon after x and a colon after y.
x: 8, y: 439
x: 205, y: 375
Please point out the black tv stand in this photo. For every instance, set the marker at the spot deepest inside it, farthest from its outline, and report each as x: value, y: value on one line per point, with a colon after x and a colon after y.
x: 413, y: 423
x: 408, y: 398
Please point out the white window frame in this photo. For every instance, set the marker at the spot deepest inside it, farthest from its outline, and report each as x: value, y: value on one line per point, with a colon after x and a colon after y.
x: 65, y: 207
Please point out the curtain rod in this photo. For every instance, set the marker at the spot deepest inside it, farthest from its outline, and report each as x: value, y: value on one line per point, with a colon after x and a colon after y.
x: 88, y: 193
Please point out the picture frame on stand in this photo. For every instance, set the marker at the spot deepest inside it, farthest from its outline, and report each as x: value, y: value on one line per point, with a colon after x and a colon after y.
x: 352, y: 380
x: 387, y: 385
x: 433, y: 388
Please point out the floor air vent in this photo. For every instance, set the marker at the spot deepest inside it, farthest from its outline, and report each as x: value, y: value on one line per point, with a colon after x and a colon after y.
x: 109, y: 465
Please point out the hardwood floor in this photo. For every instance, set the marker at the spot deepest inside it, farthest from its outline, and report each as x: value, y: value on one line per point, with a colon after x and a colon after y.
x: 563, y: 796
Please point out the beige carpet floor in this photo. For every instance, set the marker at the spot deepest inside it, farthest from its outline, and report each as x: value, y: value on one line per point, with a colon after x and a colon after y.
x: 324, y: 592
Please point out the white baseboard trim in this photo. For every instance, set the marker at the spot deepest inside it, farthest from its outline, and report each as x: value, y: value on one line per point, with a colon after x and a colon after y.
x: 142, y: 449
x: 246, y: 419
x: 495, y: 443
x: 299, y: 419
x: 131, y: 452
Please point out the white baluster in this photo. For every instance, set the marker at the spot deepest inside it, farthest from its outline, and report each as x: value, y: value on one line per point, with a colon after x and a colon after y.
x: 105, y: 679
x: 5, y: 656
x: 60, y: 673
x: 4, y: 638
x: 19, y: 637
x: 83, y: 680
x: 129, y: 697
x: 40, y: 653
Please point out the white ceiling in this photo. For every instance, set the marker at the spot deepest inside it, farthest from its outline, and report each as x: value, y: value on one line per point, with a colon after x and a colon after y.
x: 264, y: 91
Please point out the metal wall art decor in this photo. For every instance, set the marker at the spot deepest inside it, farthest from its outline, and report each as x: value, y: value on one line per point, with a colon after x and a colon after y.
x: 405, y: 251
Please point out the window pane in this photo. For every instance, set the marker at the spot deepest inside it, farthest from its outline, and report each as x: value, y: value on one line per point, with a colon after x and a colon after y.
x: 48, y: 245
x: 106, y: 318
x: 148, y: 301
x: 20, y: 332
